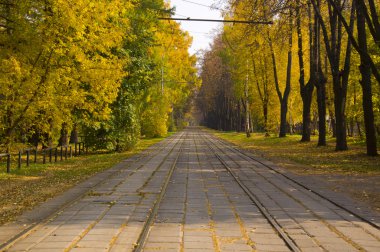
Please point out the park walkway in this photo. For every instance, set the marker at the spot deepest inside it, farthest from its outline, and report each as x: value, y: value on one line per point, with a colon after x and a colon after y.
x: 193, y: 192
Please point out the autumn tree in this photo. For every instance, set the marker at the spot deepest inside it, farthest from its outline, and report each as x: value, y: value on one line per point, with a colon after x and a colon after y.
x: 368, y: 66
x: 283, y: 96
x: 89, y: 68
x: 306, y: 89
x: 329, y: 29
x: 55, y: 60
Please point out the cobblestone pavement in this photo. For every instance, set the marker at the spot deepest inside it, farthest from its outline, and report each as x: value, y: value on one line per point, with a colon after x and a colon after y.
x: 204, y: 207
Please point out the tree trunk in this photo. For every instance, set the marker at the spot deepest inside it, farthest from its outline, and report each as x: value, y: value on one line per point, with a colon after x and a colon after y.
x: 284, y: 102
x: 315, y: 122
x: 35, y: 138
x: 64, y: 135
x: 340, y: 79
x: 284, y: 111
x: 291, y: 124
x: 305, y: 90
x: 251, y: 121
x: 264, y: 94
x: 318, y: 78
x: 49, y: 134
x: 352, y: 126
x: 283, y: 98
x: 74, y: 134
x: 365, y: 82
x: 340, y: 117
x: 359, y: 128
x: 368, y: 110
x: 332, y: 123
x: 247, y: 122
x: 265, y: 111
x: 306, y: 117
x: 321, y: 99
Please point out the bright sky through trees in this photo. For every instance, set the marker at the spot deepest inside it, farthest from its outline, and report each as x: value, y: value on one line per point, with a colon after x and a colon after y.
x: 202, y: 32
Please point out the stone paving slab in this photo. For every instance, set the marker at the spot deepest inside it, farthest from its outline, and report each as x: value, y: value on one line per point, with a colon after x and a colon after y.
x: 49, y: 208
x: 320, y: 186
x: 92, y: 209
x: 299, y: 211
x: 204, y: 208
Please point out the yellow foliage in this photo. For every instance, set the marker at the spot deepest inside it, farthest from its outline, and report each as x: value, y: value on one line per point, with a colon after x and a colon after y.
x: 62, y: 56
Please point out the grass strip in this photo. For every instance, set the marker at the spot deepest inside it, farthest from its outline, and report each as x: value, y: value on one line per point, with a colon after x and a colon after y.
x: 306, y: 157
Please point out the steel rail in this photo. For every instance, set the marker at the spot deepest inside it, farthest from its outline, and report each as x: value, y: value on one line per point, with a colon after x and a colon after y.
x: 152, y: 216
x: 340, y: 234
x: 288, y: 241
x: 7, y: 244
x: 375, y: 225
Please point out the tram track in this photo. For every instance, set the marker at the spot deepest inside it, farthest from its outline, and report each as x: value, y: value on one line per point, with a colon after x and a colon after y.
x: 248, y: 155
x: 373, y: 224
x: 288, y: 241
x: 139, y: 161
x: 219, y: 152
x: 227, y: 200
x: 153, y: 213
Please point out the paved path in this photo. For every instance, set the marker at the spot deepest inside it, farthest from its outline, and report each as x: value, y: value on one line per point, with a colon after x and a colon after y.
x: 217, y: 199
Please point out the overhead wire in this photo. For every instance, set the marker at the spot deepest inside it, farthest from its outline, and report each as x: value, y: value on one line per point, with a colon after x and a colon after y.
x: 216, y: 8
x: 224, y: 36
x: 217, y: 20
x: 180, y: 15
x: 204, y: 33
x: 204, y: 5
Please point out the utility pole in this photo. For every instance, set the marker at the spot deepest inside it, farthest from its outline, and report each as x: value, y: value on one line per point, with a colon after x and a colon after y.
x: 162, y: 72
x: 162, y: 80
x: 247, y: 121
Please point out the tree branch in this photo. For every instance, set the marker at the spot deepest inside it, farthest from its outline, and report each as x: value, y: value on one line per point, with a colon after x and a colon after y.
x: 365, y: 55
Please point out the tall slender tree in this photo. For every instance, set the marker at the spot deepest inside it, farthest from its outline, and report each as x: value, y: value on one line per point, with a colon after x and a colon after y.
x: 283, y: 97
x: 306, y: 90
x: 316, y: 74
x: 333, y: 42
x: 365, y: 82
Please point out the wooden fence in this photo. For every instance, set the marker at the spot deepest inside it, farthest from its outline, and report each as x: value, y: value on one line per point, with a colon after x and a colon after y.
x: 52, y: 154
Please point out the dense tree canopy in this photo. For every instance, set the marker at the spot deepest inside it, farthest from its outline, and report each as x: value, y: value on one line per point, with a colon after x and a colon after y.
x: 105, y: 70
x: 314, y: 70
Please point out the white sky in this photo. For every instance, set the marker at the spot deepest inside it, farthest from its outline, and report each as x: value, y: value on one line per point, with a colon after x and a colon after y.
x: 202, y: 32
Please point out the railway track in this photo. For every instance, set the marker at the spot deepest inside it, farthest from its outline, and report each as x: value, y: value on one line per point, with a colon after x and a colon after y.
x: 144, y: 233
x: 288, y: 241
x: 196, y: 192
x: 229, y: 156
x: 248, y: 155
x: 137, y: 163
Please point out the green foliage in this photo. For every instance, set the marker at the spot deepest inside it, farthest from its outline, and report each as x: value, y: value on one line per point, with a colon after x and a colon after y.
x: 90, y: 64
x: 155, y: 116
x: 60, y: 58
